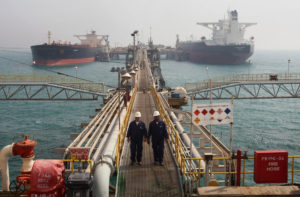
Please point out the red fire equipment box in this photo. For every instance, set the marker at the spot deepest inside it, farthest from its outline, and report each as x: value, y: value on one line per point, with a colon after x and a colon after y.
x: 47, y: 179
x: 271, y: 166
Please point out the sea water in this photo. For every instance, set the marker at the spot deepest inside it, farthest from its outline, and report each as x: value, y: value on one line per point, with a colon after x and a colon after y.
x: 266, y: 124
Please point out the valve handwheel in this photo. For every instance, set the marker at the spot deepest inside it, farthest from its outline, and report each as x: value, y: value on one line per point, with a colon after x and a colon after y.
x: 17, y: 187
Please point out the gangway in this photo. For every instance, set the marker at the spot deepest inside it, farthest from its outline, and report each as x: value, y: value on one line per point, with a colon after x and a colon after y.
x: 49, y: 87
x: 148, y: 179
x: 247, y: 86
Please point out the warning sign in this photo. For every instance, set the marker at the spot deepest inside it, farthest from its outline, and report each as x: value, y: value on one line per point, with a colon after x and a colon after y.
x: 212, y: 114
x: 79, y: 153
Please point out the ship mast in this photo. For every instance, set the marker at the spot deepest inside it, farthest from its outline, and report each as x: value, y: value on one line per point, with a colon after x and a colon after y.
x: 49, y: 37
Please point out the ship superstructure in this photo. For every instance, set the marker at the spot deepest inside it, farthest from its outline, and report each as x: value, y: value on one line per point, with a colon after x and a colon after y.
x: 227, y: 45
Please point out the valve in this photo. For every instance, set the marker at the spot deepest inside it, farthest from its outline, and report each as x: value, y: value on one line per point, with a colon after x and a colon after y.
x: 24, y: 148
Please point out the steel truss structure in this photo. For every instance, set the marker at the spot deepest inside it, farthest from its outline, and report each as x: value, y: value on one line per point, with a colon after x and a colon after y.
x: 254, y: 86
x: 47, y: 87
x: 251, y: 91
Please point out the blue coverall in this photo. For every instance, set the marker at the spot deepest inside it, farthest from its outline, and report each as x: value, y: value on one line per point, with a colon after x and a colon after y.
x: 136, y: 133
x: 158, y: 131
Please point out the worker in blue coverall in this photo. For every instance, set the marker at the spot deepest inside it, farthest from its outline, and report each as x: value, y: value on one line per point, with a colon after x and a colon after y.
x: 158, y: 131
x: 136, y: 134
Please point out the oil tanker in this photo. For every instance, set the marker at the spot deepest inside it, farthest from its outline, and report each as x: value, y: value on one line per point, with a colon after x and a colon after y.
x: 92, y: 47
x: 227, y: 45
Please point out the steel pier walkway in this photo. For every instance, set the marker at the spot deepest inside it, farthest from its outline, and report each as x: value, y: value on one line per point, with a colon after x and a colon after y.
x: 148, y: 179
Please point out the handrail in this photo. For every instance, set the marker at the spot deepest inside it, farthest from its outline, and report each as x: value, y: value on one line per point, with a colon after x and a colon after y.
x: 41, y: 78
x: 55, y: 80
x: 228, y: 79
x: 173, y: 133
x: 123, y: 128
x: 199, y: 173
x: 181, y: 159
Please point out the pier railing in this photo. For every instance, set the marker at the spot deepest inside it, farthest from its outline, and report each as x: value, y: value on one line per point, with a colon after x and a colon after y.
x: 239, y: 78
x: 54, y: 80
x: 186, y: 163
x: 175, y: 141
x: 199, y: 173
x: 123, y: 128
x: 41, y: 78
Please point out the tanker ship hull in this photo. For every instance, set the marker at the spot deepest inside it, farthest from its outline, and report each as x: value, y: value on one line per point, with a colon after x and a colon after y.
x: 216, y: 54
x: 60, y: 55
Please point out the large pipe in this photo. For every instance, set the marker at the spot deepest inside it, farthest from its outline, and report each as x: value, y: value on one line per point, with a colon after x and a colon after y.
x: 23, y: 148
x: 4, y: 155
x: 105, y: 167
x: 186, y: 139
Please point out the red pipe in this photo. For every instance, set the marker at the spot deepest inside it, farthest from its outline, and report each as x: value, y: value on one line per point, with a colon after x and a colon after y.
x: 238, y: 168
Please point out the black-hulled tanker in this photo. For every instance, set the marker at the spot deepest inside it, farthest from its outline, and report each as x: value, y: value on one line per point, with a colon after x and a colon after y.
x: 93, y: 47
x: 227, y: 45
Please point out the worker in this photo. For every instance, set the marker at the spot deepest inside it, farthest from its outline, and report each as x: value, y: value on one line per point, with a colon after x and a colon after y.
x: 126, y: 98
x: 136, y: 133
x: 158, y: 132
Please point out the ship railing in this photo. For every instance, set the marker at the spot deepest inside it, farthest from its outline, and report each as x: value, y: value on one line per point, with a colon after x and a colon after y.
x: 242, y: 78
x: 200, y: 173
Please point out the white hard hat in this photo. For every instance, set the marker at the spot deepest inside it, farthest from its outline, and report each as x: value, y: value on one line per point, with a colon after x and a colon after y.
x: 156, y: 113
x: 138, y: 114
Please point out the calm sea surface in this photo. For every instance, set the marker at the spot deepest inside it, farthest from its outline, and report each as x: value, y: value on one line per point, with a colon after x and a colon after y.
x: 258, y: 124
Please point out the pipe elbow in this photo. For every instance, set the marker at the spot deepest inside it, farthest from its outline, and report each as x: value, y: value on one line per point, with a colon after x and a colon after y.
x: 5, y: 152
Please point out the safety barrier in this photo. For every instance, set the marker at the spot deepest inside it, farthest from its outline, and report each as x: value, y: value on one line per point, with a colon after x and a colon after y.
x: 185, y: 163
x: 173, y: 134
x: 123, y: 128
x: 53, y: 79
x: 224, y: 80
x: 200, y: 173
x: 41, y: 78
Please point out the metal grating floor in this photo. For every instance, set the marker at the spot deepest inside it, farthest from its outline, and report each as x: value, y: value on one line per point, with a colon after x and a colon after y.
x: 147, y: 179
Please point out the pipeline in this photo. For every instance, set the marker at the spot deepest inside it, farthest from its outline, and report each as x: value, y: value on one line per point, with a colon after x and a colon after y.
x: 23, y: 148
x: 4, y: 155
x: 187, y: 141
x: 105, y: 166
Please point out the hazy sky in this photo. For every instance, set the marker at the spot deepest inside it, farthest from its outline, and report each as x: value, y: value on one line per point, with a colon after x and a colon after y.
x: 26, y: 22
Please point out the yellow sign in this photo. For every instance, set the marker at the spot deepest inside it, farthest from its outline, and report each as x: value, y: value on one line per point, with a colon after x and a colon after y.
x: 73, y: 156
